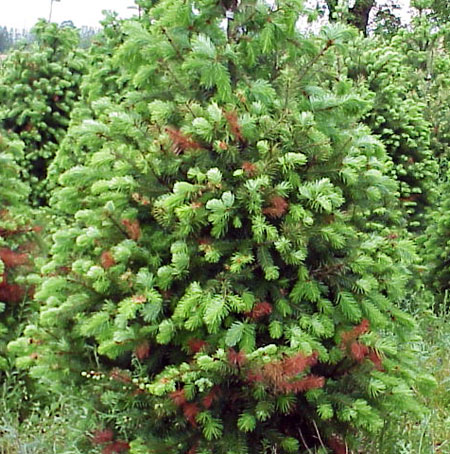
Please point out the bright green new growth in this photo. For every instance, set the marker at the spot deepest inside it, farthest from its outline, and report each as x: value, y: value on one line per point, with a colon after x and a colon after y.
x: 39, y: 85
x: 399, y: 118
x: 229, y: 260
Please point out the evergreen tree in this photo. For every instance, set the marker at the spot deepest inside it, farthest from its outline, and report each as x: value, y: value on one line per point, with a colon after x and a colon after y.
x: 426, y: 48
x: 230, y: 271
x: 39, y: 85
x: 399, y: 116
x: 16, y: 246
x: 104, y: 79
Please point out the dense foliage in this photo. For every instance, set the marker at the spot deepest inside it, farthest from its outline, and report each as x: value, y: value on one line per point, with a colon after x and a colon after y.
x: 15, y: 230
x: 39, y: 85
x: 245, y: 226
x: 399, y: 118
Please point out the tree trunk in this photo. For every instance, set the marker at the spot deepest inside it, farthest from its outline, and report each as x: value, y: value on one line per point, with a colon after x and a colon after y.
x: 358, y: 15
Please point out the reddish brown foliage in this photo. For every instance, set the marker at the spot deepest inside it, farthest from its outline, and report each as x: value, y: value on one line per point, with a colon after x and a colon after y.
x: 102, y: 436
x: 120, y: 375
x: 337, y: 445
x: 249, y: 168
x: 376, y: 359
x: 11, y: 258
x: 139, y: 299
x: 362, y: 328
x: 137, y: 392
x: 277, y: 208
x: 133, y: 229
x: 196, y: 345
x: 63, y: 270
x: 142, y: 200
x: 178, y: 397
x: 411, y: 198
x: 6, y: 233
x: 233, y: 123
x: 358, y: 351
x: 116, y: 447
x: 142, y: 351
x: 261, y: 310
x: 107, y: 260
x: 181, y: 142
x: 190, y: 411
x: 273, y: 372
x: 236, y: 358
x: 302, y: 385
x: 279, y: 374
x: 211, y: 397
x: 355, y: 332
x: 294, y: 365
x: 255, y: 377
x: 10, y: 293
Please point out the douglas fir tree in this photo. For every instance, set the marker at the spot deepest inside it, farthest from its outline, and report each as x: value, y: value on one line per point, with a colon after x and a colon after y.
x: 15, y: 245
x: 225, y: 283
x: 400, y: 119
x: 39, y: 86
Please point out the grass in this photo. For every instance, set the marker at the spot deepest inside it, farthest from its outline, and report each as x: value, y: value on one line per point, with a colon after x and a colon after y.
x: 431, y: 434
x: 61, y: 426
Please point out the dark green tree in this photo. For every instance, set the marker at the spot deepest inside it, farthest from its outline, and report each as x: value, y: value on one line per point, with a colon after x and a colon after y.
x: 39, y: 85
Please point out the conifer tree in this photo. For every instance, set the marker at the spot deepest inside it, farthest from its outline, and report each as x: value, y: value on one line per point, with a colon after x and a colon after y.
x: 229, y: 274
x: 39, y: 84
x: 104, y: 79
x: 15, y: 246
x: 426, y: 48
x: 400, y: 118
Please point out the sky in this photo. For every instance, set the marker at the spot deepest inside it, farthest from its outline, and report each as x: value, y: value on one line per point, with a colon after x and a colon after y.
x: 24, y: 13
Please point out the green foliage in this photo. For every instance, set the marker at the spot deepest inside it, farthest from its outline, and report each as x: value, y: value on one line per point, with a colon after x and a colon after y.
x: 427, y: 54
x: 39, y: 85
x: 400, y: 117
x: 230, y: 268
x: 16, y: 244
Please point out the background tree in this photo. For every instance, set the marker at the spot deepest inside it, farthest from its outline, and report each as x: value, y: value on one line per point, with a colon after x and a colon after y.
x: 399, y: 116
x: 39, y: 85
x: 17, y: 246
